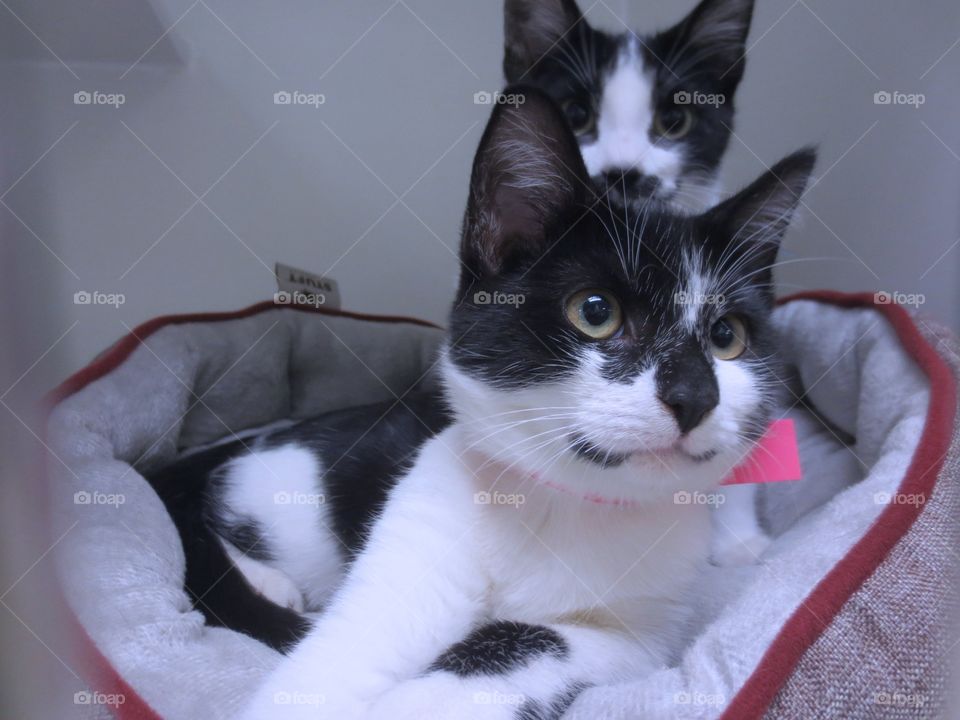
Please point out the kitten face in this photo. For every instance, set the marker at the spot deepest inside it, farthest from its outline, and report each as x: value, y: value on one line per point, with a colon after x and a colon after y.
x: 592, y: 338
x: 652, y: 114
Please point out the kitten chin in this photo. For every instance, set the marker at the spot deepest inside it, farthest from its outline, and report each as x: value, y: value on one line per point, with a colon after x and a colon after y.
x: 546, y: 436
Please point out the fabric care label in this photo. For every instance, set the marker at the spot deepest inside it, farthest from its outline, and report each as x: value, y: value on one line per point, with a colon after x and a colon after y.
x: 299, y: 287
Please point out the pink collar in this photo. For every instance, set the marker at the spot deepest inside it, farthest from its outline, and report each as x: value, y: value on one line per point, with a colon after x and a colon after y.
x: 588, y: 497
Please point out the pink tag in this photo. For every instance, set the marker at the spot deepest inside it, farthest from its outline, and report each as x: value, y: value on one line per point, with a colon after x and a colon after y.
x: 775, y: 459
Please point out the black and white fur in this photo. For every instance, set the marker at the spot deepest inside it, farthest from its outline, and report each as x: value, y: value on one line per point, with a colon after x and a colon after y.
x: 620, y: 92
x: 268, y: 523
x: 534, y: 547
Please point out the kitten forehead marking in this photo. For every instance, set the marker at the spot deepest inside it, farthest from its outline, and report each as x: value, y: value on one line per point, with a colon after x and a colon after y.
x: 700, y: 290
x: 624, y: 121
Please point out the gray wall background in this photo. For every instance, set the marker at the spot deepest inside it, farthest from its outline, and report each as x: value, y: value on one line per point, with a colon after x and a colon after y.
x: 184, y: 197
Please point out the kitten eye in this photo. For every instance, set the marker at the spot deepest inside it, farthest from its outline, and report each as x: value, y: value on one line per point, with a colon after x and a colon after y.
x: 579, y: 115
x: 728, y: 338
x: 595, y: 313
x: 673, y: 122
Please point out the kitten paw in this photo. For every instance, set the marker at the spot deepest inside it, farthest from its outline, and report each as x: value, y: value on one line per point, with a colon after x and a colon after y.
x: 740, y: 551
x: 275, y: 585
x: 280, y: 590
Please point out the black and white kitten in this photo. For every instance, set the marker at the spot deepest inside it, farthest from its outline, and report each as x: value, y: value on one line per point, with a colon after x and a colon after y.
x: 652, y: 114
x: 533, y: 547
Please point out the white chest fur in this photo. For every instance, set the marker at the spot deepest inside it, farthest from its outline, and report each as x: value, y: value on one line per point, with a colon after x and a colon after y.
x: 450, y: 551
x: 547, y: 556
x: 568, y: 557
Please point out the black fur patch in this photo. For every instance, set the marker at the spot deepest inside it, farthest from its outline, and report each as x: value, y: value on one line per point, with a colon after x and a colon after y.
x: 533, y: 710
x: 500, y: 647
x: 582, y: 447
x: 248, y: 538
x: 364, y: 451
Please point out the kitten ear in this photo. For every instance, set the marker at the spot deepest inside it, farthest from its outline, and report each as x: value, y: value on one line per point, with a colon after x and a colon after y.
x: 531, y: 29
x: 716, y: 33
x: 528, y: 179
x: 755, y: 220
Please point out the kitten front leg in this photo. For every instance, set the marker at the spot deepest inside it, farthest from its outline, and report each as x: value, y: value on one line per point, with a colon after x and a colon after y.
x: 507, y: 670
x: 413, y: 591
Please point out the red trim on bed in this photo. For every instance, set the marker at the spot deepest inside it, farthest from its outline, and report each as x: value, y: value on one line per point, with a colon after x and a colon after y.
x: 104, y: 677
x: 823, y: 603
x: 803, y: 627
x: 120, y: 350
x: 100, y: 673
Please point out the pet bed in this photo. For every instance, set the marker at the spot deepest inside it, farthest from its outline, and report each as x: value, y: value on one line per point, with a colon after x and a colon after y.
x: 848, y: 614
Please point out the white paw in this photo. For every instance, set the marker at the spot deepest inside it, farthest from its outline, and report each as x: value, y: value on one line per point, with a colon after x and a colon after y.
x: 442, y: 696
x: 280, y: 589
x: 740, y: 551
x: 275, y: 585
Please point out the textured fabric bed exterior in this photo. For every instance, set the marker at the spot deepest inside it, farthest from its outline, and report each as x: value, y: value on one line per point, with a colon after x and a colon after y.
x: 888, y: 653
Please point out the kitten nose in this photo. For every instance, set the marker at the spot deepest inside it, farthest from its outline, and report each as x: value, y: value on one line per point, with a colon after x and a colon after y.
x: 632, y: 183
x: 690, y: 404
x: 687, y: 385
